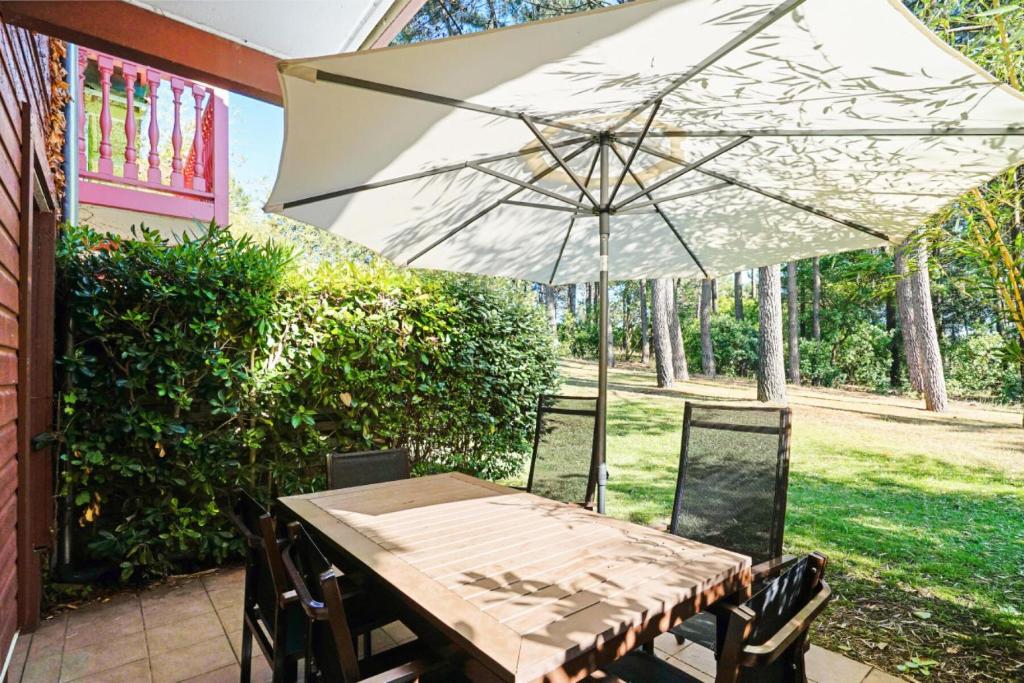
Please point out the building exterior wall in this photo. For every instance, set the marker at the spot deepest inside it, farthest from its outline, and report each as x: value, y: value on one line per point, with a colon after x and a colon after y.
x: 25, y: 98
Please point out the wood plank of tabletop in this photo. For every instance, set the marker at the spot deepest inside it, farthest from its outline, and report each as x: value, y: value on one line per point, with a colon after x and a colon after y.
x: 489, y: 567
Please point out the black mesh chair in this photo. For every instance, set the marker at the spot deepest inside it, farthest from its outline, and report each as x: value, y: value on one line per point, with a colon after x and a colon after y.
x: 330, y: 654
x: 270, y: 611
x: 731, y: 488
x: 765, y: 637
x: 563, y: 466
x: 366, y: 467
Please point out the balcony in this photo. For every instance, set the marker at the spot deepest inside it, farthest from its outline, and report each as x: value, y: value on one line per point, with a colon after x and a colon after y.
x: 152, y: 147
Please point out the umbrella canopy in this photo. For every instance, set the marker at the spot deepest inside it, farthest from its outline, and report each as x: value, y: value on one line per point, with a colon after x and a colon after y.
x: 683, y: 138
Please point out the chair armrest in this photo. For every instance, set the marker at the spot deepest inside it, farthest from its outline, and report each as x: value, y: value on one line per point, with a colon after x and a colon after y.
x: 770, y: 568
x: 769, y: 651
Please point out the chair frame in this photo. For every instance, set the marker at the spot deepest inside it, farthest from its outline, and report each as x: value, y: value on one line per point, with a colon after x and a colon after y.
x: 784, y: 429
x: 790, y: 640
x: 332, y: 610
x: 284, y: 667
x: 553, y: 410
x: 365, y: 455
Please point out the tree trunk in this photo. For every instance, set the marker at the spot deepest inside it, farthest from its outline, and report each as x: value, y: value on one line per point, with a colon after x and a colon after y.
x: 645, y: 326
x: 932, y: 375
x: 894, y: 342
x: 675, y: 333
x: 816, y: 304
x: 714, y: 295
x: 549, y: 301
x: 572, y: 301
x: 611, y: 332
x: 771, y: 377
x: 661, y: 308
x: 707, y: 352
x: 793, y: 310
x: 737, y: 295
x: 907, y: 311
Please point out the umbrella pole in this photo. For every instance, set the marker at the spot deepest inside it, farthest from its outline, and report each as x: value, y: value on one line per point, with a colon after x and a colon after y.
x: 602, y: 366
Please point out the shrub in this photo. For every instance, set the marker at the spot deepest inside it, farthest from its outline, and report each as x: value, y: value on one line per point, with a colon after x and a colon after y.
x: 733, y: 341
x: 201, y: 366
x: 980, y: 366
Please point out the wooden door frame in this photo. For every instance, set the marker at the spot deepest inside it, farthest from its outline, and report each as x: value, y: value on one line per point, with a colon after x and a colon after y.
x: 34, y: 516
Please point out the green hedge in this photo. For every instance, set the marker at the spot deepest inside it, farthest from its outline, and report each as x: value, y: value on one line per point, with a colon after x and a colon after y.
x: 199, y: 366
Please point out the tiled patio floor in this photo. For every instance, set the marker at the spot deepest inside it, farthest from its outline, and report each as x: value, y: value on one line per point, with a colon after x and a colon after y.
x: 192, y: 632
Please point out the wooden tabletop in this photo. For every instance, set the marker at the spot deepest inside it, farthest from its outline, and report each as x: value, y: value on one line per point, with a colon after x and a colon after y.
x: 532, y: 589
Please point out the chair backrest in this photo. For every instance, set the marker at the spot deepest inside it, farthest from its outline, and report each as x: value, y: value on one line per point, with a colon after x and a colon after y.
x: 563, y: 466
x: 264, y: 572
x: 766, y: 636
x: 733, y: 478
x: 366, y: 467
x: 330, y: 653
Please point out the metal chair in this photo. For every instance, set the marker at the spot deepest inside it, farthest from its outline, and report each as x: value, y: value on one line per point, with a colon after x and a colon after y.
x: 563, y: 465
x: 731, y: 488
x: 330, y: 653
x: 366, y: 467
x: 270, y: 610
x: 765, y: 637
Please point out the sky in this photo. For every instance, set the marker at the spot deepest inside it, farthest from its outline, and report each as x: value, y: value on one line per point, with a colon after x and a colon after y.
x: 255, y: 134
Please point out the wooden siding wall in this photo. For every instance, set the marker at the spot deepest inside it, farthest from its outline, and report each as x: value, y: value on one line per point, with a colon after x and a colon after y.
x: 24, y: 79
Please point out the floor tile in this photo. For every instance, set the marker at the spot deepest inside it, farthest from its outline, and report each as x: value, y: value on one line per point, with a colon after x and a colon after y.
x: 235, y: 638
x: 91, y: 659
x: 42, y: 669
x: 878, y: 676
x: 398, y: 632
x: 49, y: 635
x: 181, y: 633
x: 225, y: 578
x: 668, y: 644
x: 133, y: 672
x: 698, y: 657
x: 190, y: 661
x: 102, y: 623
x: 175, y: 607
x: 18, y: 657
x: 228, y: 597
x: 227, y: 674
x: 829, y: 667
x: 231, y: 618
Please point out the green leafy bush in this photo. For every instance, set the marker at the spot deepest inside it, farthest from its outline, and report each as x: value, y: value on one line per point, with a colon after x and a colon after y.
x: 980, y: 366
x: 200, y: 366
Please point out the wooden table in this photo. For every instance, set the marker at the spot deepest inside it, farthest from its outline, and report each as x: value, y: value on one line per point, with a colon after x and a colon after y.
x: 530, y: 588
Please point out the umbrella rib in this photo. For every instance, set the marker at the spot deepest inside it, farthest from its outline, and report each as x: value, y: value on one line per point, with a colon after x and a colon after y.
x: 771, y: 195
x: 572, y: 221
x: 681, y: 172
x: 678, y: 195
x: 748, y: 33
x: 537, y: 205
x: 529, y: 185
x: 423, y: 174
x: 491, y: 207
x: 434, y: 98
x: 798, y: 205
x: 561, y: 162
x: 839, y: 132
x: 661, y: 213
x: 636, y: 148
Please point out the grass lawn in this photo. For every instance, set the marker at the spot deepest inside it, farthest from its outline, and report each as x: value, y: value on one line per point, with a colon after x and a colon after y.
x: 921, y: 515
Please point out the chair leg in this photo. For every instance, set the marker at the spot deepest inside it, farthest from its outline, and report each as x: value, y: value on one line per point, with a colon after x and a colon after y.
x: 246, y: 658
x: 648, y: 647
x: 367, y: 645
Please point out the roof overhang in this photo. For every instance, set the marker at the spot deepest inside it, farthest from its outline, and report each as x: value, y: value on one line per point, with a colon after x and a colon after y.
x: 234, y: 45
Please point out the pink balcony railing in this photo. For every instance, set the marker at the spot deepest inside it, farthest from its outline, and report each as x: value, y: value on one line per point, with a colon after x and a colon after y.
x: 187, y: 178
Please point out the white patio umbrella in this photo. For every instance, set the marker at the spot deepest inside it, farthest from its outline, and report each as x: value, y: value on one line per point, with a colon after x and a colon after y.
x: 682, y: 138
